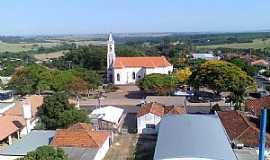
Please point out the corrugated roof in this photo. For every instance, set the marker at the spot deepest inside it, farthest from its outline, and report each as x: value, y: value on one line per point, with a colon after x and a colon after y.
x: 192, y: 136
x: 80, y: 153
x: 146, y: 62
x: 109, y: 113
x: 30, y: 142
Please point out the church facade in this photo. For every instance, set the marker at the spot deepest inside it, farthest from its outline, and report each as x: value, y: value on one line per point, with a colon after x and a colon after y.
x: 128, y: 70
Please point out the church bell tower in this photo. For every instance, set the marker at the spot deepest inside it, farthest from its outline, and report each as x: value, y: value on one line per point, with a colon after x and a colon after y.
x: 110, y: 58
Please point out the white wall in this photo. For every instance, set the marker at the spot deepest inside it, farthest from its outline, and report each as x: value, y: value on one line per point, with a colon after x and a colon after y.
x: 103, y: 150
x: 147, y: 119
x: 126, y: 74
x: 32, y: 125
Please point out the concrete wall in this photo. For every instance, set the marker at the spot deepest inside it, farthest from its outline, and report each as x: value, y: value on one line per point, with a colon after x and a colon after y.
x: 32, y: 125
x: 126, y: 74
x: 147, y: 119
x: 103, y: 150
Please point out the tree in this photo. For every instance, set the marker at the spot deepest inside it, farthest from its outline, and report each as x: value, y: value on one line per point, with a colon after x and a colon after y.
x: 45, y: 153
x: 161, y: 84
x: 183, y: 74
x: 35, y: 79
x: 56, y: 112
x: 223, y: 76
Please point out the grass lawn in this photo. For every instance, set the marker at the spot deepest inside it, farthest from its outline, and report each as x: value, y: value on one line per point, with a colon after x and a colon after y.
x: 256, y: 44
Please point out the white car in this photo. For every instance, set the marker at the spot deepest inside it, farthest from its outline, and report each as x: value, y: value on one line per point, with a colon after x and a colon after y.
x: 183, y: 93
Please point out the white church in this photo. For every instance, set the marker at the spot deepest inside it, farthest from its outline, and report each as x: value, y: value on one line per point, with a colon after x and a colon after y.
x: 128, y: 70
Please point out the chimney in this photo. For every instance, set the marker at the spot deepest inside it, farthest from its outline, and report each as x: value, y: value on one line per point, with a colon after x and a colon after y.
x: 27, y: 115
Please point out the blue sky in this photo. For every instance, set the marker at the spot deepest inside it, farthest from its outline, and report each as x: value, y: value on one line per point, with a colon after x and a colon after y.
x: 26, y: 17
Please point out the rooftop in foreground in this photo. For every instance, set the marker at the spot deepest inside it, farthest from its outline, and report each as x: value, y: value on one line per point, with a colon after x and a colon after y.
x: 192, y: 136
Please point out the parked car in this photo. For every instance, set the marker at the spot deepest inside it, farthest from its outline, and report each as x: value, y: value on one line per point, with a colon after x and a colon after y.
x: 183, y: 93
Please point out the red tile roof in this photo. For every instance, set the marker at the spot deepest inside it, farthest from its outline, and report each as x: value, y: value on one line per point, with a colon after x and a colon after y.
x: 146, y: 62
x: 79, y: 135
x: 9, y: 125
x: 241, y: 129
x: 254, y: 105
x: 12, y: 120
x: 35, y: 100
x: 159, y: 109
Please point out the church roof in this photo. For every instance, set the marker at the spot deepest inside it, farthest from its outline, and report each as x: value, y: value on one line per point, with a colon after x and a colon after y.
x: 146, y: 62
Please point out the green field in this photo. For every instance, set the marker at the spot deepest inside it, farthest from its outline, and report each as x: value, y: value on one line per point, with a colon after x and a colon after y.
x: 19, y: 47
x: 256, y: 44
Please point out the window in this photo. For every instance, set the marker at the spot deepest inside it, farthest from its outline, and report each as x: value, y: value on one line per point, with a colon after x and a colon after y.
x: 139, y: 77
x: 133, y: 75
x: 150, y: 126
x: 118, y: 77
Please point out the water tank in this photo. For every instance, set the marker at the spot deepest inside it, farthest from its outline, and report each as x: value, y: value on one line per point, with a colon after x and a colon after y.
x: 27, y: 114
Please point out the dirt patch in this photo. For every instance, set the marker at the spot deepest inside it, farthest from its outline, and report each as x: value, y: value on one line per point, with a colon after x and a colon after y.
x: 122, y: 148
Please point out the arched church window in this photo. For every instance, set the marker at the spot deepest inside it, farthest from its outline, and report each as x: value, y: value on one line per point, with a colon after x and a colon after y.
x: 133, y: 75
x: 118, y: 77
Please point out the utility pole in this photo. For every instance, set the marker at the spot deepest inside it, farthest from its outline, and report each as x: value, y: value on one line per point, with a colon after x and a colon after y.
x: 262, y: 133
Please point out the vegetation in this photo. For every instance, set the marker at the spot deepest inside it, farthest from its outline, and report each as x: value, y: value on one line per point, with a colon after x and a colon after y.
x: 36, y: 79
x: 56, y: 112
x: 45, y: 153
x: 160, y: 84
x: 221, y: 76
x: 183, y: 75
x: 241, y: 63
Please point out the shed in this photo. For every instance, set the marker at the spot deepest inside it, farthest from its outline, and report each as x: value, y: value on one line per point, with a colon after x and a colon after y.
x: 194, y: 137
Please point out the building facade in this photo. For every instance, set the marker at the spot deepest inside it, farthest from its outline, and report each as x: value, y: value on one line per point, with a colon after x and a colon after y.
x: 128, y: 70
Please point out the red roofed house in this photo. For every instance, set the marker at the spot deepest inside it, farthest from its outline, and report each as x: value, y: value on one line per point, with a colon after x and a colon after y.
x: 81, y: 140
x: 13, y: 122
x: 242, y: 129
x: 254, y: 106
x: 149, y: 116
x: 128, y: 70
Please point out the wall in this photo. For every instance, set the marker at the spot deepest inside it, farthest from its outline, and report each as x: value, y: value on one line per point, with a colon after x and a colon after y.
x: 126, y: 74
x: 147, y: 119
x: 103, y: 150
x: 32, y: 125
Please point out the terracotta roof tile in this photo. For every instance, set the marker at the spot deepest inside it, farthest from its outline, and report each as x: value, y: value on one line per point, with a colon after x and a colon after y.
x: 159, y: 109
x: 35, y: 100
x: 9, y: 125
x: 79, y: 135
x: 254, y: 105
x: 154, y: 108
x: 147, y: 62
x: 174, y: 110
x: 240, y: 129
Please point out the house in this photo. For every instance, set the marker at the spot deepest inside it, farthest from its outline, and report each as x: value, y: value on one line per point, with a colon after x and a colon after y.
x: 128, y: 70
x: 27, y: 144
x: 205, y: 56
x: 14, y: 120
x: 242, y: 130
x: 82, y: 142
x: 150, y: 114
x: 254, y: 106
x: 107, y: 118
x: 260, y: 63
x: 193, y: 137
